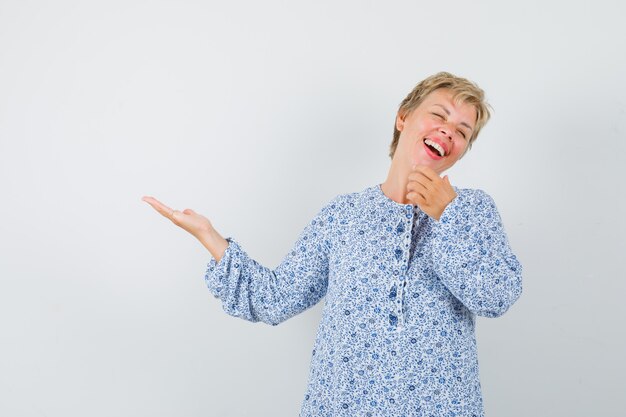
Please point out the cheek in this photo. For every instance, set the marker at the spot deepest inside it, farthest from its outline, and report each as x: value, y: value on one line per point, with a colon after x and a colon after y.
x: 416, y: 130
x: 458, y: 151
x: 424, y: 126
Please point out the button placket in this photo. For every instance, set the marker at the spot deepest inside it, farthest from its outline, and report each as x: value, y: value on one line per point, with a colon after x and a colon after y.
x: 401, y: 279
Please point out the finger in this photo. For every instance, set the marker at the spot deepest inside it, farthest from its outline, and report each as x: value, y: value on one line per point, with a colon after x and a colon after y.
x: 419, y: 173
x: 158, y: 206
x: 156, y: 203
x: 419, y: 194
x: 416, y: 196
x: 161, y: 208
x: 419, y: 177
x: 428, y: 172
x: 419, y: 186
x: 449, y: 186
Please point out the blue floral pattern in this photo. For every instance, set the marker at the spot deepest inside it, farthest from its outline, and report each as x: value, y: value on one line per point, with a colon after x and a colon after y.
x: 402, y: 292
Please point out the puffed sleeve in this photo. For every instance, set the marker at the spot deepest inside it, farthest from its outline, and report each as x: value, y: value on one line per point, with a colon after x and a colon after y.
x: 472, y: 255
x: 255, y: 293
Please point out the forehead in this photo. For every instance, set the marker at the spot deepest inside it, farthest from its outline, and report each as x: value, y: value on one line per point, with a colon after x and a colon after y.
x: 445, y: 98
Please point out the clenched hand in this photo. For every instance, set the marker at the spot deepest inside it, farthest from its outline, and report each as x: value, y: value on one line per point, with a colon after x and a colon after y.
x: 429, y: 191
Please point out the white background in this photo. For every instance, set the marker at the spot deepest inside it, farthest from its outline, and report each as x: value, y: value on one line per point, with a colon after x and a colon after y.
x: 255, y: 114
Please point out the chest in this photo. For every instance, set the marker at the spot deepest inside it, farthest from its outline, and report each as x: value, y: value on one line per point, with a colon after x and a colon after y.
x: 376, y: 251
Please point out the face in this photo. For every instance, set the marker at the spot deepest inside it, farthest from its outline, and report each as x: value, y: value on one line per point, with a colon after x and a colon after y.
x: 436, y: 133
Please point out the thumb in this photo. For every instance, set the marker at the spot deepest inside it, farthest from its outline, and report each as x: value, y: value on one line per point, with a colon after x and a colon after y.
x: 189, y: 211
x: 446, y: 179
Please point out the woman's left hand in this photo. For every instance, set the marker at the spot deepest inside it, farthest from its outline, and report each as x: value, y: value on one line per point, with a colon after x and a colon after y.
x: 429, y: 191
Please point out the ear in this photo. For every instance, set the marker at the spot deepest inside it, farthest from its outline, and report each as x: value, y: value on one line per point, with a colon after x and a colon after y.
x: 400, y: 121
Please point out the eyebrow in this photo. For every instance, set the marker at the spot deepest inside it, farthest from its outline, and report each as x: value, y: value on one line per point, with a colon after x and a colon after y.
x: 448, y: 113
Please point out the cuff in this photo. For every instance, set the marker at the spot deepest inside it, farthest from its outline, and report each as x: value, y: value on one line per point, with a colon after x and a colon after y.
x: 217, y: 272
x: 452, y: 214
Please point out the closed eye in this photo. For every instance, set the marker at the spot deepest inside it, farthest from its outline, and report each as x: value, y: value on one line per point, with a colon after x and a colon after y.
x: 443, y: 118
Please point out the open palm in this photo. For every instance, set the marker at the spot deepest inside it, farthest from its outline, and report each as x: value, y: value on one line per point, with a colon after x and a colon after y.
x: 194, y: 223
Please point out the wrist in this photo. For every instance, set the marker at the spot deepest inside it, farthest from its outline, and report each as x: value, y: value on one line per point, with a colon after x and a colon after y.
x: 213, y: 242
x: 208, y: 236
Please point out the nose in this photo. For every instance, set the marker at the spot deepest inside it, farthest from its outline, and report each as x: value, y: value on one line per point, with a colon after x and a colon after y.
x: 446, y: 131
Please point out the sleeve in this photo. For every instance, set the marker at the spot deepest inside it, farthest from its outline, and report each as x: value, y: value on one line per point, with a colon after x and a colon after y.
x: 472, y: 256
x: 255, y: 293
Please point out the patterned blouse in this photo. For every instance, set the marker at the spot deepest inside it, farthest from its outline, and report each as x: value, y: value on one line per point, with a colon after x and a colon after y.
x: 402, y: 292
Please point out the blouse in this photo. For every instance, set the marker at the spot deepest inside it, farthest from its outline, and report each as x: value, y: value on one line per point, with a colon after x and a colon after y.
x: 402, y: 292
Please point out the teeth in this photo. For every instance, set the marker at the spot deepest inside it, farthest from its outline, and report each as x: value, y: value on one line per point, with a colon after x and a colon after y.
x: 435, y: 145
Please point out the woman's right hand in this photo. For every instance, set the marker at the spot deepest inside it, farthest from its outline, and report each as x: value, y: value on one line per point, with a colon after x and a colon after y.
x: 189, y: 220
x: 196, y: 224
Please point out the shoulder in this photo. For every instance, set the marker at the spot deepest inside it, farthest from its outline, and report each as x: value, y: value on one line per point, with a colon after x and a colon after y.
x: 342, y: 202
x: 342, y: 209
x: 475, y: 196
x: 330, y: 209
x: 469, y: 202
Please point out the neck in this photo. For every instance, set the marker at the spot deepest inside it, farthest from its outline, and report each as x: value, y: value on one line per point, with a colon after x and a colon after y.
x: 394, y: 186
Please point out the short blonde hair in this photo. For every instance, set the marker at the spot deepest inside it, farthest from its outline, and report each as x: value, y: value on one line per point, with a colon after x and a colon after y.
x: 463, y: 91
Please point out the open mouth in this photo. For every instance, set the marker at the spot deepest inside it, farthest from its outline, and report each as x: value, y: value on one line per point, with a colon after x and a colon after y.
x: 434, y: 148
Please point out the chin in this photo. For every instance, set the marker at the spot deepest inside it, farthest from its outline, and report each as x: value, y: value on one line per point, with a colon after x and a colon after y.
x: 427, y: 162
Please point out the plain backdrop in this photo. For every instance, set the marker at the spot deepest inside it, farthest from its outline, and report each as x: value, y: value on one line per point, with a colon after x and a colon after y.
x: 255, y: 114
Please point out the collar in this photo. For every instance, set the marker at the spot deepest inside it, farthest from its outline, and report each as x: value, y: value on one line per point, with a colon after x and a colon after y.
x: 388, y: 202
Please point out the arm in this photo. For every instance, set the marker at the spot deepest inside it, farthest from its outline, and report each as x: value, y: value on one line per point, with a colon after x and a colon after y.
x: 254, y: 292
x: 472, y: 256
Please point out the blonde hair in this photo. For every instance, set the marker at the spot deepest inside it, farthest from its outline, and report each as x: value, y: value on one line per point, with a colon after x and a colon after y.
x: 463, y: 91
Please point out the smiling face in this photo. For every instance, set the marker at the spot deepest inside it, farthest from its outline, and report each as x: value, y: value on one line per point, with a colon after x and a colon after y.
x: 436, y: 133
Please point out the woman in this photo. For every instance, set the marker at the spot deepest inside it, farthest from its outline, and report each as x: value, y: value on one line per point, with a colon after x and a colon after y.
x: 405, y: 267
